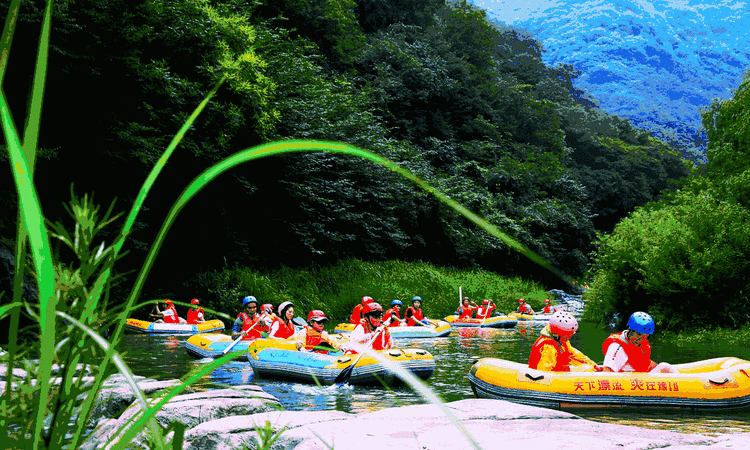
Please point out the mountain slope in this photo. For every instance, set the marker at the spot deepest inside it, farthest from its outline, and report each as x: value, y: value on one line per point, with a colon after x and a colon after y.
x: 655, y: 62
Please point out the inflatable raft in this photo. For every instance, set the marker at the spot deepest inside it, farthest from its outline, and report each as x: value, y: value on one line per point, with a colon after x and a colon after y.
x: 491, y: 322
x: 278, y: 359
x: 439, y: 329
x: 530, y: 317
x: 212, y: 345
x: 709, y: 384
x: 145, y: 327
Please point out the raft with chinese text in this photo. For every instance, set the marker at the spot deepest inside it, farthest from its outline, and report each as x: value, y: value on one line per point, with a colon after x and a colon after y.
x: 710, y: 384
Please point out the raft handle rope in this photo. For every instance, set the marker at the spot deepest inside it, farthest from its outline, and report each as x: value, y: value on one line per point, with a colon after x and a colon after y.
x: 533, y: 378
x: 718, y: 383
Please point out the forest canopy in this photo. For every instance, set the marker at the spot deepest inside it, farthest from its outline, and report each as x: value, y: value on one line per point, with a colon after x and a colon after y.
x: 465, y: 104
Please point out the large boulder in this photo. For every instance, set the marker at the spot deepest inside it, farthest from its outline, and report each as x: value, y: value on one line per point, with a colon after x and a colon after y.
x: 190, y: 410
x: 480, y: 423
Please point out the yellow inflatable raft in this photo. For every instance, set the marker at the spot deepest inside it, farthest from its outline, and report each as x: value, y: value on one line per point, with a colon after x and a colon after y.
x: 279, y: 359
x: 491, y: 322
x: 709, y: 384
x: 145, y: 327
x: 437, y: 329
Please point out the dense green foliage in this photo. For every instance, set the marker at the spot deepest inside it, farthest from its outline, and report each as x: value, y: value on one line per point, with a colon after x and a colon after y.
x: 466, y: 105
x: 686, y: 258
x: 338, y: 288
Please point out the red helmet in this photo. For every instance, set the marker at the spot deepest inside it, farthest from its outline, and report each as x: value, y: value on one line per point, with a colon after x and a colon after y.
x: 465, y: 299
x: 194, y: 301
x: 168, y: 301
x: 546, y: 300
x: 367, y: 299
x: 563, y: 323
x: 485, y: 302
x: 267, y: 308
x: 372, y: 307
x: 317, y: 315
x: 520, y: 300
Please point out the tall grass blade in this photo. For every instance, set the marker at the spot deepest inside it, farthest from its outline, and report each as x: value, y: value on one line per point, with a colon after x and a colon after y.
x: 40, y: 248
x: 137, y: 205
x: 7, y: 38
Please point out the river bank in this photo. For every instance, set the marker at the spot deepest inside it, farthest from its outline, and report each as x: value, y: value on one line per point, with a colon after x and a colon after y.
x: 246, y: 416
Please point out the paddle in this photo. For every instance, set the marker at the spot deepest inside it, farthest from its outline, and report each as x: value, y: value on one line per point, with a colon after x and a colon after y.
x: 345, y: 374
x: 231, y: 346
x: 487, y: 312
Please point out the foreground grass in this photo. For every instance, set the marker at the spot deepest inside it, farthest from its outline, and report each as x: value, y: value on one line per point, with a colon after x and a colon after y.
x: 338, y: 288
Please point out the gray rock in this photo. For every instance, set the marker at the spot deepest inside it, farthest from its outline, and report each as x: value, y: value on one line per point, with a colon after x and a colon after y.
x: 191, y: 410
x: 115, y: 396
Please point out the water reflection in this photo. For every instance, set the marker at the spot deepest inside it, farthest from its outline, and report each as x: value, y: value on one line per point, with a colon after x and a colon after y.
x: 164, y: 357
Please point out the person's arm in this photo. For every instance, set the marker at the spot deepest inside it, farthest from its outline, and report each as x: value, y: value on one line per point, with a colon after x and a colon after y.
x: 548, y: 360
x: 301, y: 340
x: 615, y: 358
x: 237, y: 328
x: 274, y: 329
x: 577, y: 358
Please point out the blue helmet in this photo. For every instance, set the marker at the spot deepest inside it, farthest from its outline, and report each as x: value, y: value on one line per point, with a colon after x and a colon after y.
x: 396, y: 302
x: 416, y: 299
x: 249, y: 299
x: 641, y: 322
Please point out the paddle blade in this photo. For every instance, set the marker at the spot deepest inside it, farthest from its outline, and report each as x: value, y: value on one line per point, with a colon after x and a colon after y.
x: 345, y: 374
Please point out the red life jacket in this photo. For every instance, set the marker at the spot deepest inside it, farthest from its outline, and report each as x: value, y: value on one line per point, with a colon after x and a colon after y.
x: 193, y: 315
x: 173, y: 318
x: 465, y: 312
x: 548, y: 309
x: 639, y: 358
x: 390, y: 313
x: 313, y: 339
x: 415, y: 314
x: 483, y: 312
x: 382, y: 340
x: 356, y: 315
x: 248, y: 322
x: 285, y: 330
x: 563, y: 355
x: 524, y: 309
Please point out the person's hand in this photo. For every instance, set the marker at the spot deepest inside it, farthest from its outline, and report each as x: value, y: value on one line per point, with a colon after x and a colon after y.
x: 324, y: 335
x: 599, y: 368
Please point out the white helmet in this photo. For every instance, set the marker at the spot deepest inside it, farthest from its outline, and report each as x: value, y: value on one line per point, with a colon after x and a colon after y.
x: 563, y: 323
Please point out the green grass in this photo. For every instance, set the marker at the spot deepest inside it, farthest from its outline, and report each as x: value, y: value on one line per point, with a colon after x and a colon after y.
x: 338, y: 288
x: 73, y: 304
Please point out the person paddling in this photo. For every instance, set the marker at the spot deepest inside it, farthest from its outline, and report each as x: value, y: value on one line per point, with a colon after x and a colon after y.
x: 465, y: 310
x: 195, y: 314
x: 486, y: 310
x: 414, y: 313
x: 357, y: 312
x: 524, y: 308
x: 243, y: 325
x: 312, y: 337
x: 552, y: 351
x: 283, y: 326
x: 370, y: 327
x: 392, y: 318
x: 168, y: 315
x: 548, y: 308
x: 630, y: 350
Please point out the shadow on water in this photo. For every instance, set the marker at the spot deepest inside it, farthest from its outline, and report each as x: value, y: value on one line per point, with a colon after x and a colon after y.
x: 164, y: 357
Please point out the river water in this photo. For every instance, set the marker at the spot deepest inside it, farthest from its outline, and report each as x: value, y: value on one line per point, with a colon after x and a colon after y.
x: 164, y: 357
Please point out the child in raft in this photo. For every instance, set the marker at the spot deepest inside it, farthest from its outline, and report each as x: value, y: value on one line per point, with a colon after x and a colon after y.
x: 552, y: 352
x: 312, y: 338
x: 630, y: 351
x: 370, y: 329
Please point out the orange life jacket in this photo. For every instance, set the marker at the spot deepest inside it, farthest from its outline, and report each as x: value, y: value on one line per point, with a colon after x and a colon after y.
x: 313, y: 339
x: 548, y: 309
x: 247, y: 323
x: 286, y: 330
x: 174, y: 318
x: 382, y: 341
x: 356, y: 315
x: 388, y: 314
x: 193, y: 315
x: 465, y: 312
x: 415, y: 314
x: 639, y: 358
x: 563, y: 355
